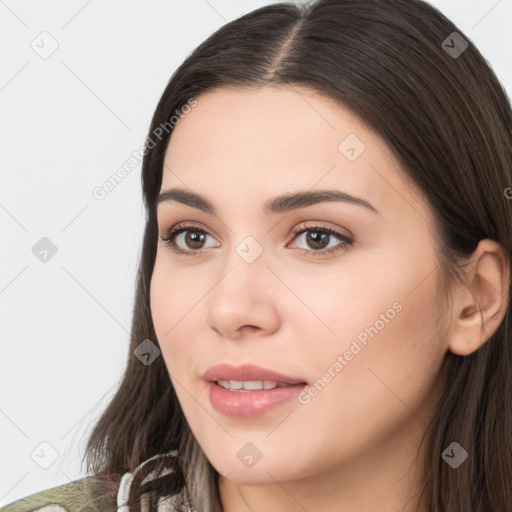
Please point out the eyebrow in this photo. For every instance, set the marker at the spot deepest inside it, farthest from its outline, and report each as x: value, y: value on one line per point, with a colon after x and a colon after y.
x: 275, y: 205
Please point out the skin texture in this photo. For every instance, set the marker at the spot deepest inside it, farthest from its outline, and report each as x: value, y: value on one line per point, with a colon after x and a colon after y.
x: 354, y: 445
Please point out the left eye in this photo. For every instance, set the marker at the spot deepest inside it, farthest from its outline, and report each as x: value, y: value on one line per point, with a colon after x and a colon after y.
x: 319, y: 238
x: 189, y: 240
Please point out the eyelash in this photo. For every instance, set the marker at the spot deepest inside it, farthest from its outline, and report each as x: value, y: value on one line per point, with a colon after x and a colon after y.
x: 346, y: 244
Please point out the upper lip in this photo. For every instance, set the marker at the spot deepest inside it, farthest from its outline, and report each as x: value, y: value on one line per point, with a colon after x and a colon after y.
x: 247, y: 372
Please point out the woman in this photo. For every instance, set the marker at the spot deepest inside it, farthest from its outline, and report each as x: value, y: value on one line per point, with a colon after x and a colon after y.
x: 322, y: 318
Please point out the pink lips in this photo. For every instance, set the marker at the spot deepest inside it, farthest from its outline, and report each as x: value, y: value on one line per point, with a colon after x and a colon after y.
x: 247, y: 372
x: 249, y: 404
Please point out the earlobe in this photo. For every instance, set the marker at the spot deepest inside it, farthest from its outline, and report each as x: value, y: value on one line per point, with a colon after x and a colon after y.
x: 481, y: 304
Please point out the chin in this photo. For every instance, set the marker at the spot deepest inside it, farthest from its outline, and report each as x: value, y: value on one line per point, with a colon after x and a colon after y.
x: 261, y: 473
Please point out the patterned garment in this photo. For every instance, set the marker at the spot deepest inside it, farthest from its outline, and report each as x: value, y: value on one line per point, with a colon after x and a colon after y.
x: 85, y: 495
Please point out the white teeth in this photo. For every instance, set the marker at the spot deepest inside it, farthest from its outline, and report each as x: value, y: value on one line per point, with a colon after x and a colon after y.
x: 249, y: 385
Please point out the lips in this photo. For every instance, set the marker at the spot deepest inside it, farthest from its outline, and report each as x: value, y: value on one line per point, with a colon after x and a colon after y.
x: 248, y: 372
x: 249, y: 391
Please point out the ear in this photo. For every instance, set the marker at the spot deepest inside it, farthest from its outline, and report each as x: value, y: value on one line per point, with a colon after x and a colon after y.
x: 481, y: 304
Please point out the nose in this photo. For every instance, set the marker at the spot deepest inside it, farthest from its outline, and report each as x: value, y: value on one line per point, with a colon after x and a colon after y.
x: 243, y: 301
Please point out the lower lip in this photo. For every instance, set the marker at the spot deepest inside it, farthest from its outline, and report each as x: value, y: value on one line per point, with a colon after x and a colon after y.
x: 250, y: 404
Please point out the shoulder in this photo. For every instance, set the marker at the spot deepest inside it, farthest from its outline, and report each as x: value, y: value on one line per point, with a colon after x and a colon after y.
x: 109, y: 492
x: 89, y: 494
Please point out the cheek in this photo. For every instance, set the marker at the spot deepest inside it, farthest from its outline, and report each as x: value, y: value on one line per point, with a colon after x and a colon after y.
x: 172, y: 301
x: 173, y: 293
x: 383, y: 365
x: 355, y: 306
x: 374, y: 332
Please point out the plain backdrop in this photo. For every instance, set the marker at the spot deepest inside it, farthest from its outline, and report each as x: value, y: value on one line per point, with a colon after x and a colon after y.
x: 79, y: 81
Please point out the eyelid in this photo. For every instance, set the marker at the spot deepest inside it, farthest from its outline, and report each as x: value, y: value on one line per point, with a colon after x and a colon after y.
x: 346, y: 241
x: 186, y: 226
x: 320, y: 225
x: 304, y: 226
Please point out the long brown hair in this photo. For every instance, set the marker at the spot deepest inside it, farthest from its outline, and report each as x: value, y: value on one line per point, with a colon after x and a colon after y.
x: 442, y: 111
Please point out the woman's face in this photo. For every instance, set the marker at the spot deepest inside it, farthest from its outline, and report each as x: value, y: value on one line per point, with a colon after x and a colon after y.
x: 338, y: 295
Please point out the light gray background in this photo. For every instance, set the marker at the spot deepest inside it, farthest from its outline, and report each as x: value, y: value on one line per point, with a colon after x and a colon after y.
x: 68, y: 122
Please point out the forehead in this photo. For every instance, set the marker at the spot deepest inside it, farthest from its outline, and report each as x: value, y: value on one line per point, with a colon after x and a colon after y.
x: 269, y: 124
x: 256, y: 142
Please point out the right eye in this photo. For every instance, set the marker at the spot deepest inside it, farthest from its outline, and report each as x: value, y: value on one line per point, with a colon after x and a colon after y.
x: 185, y: 239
